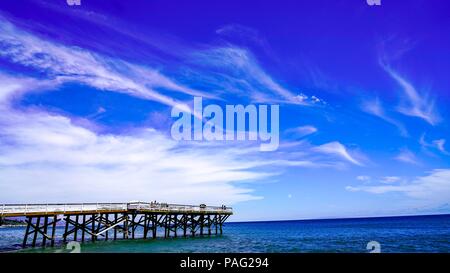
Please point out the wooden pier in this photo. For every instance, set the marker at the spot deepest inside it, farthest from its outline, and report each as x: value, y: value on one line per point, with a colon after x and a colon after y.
x: 112, y: 221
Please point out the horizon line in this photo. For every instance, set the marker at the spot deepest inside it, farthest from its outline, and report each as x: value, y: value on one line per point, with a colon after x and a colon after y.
x: 341, y: 218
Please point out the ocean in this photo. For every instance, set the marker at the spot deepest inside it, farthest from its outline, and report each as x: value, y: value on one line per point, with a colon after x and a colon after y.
x: 393, y: 234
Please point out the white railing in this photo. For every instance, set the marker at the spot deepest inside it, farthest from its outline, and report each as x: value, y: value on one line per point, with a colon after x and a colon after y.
x: 176, y: 207
x: 24, y: 209
x: 61, y: 208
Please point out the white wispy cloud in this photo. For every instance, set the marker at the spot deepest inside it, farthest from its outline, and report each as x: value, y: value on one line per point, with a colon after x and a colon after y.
x: 245, y: 35
x: 71, y: 64
x: 432, y: 188
x: 438, y: 144
x: 407, y: 156
x: 390, y: 179
x: 302, y: 130
x: 247, y: 77
x: 414, y: 103
x: 236, y: 70
x: 375, y: 108
x: 384, y: 180
x: 307, y: 155
x: 338, y: 149
x: 363, y: 178
x: 48, y: 157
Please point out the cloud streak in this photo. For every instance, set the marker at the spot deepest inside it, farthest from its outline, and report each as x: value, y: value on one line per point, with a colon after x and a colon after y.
x: 71, y: 64
x: 236, y: 70
x: 46, y: 157
x: 375, y: 108
x: 302, y: 131
x: 407, y: 156
x: 415, y: 104
x: 433, y: 187
x: 50, y: 158
x: 336, y: 148
x: 438, y: 144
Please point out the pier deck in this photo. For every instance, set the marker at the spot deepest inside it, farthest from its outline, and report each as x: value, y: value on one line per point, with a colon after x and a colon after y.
x: 94, y: 221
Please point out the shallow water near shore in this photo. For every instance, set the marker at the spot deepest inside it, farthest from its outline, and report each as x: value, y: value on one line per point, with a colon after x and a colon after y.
x: 394, y: 234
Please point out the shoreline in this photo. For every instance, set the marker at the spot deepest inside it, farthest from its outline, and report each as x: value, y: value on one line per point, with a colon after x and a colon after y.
x: 4, y: 226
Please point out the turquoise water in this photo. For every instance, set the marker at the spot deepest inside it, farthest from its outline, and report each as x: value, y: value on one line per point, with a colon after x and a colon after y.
x: 395, y: 234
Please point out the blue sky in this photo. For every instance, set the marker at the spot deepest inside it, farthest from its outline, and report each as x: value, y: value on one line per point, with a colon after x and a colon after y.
x: 86, y: 93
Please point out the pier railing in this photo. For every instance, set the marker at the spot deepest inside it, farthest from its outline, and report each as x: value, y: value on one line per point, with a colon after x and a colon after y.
x: 27, y: 209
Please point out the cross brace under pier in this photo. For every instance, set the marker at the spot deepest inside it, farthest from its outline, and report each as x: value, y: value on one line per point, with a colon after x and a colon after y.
x: 129, y: 225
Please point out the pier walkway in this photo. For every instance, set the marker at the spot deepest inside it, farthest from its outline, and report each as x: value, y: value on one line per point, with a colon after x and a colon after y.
x: 95, y: 221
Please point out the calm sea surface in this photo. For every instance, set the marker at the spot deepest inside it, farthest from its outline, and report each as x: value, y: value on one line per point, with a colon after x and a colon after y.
x: 395, y: 234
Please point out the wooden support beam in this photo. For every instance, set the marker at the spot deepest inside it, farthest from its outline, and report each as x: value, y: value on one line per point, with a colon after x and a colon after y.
x: 224, y: 218
x: 24, y: 244
x: 44, y: 239
x: 192, y: 225
x: 165, y: 226
x: 155, y: 225
x: 100, y: 226
x: 202, y: 223
x: 125, y: 225
x: 145, y: 225
x: 36, y: 229
x: 209, y: 224
x: 133, y: 225
x: 76, y: 228
x: 93, y: 237
x: 38, y: 221
x: 66, y: 228
x: 99, y: 223
x: 215, y: 223
x: 84, y: 227
x: 175, y: 225
x: 168, y: 223
x: 115, y: 229
x: 55, y: 220
x: 107, y: 225
x: 184, y: 223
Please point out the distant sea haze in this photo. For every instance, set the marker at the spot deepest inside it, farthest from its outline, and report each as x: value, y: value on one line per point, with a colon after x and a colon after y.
x: 405, y: 234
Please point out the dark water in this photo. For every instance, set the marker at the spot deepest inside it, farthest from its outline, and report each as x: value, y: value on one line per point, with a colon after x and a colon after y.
x: 394, y: 234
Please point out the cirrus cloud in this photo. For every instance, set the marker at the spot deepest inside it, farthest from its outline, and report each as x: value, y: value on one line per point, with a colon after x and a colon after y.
x: 433, y: 188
